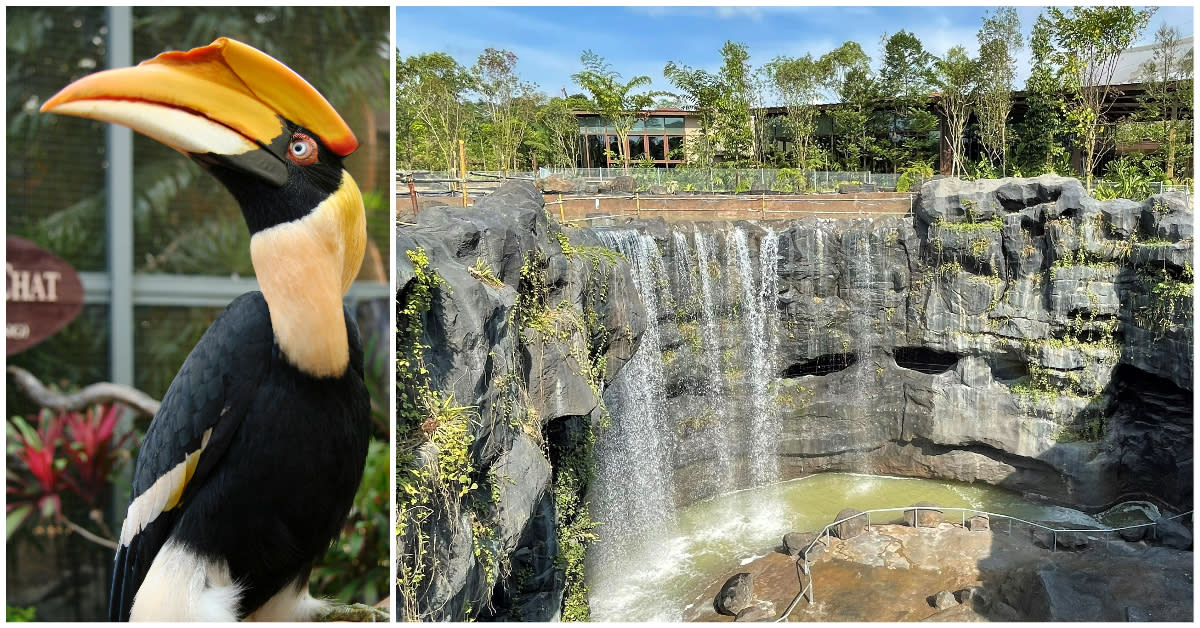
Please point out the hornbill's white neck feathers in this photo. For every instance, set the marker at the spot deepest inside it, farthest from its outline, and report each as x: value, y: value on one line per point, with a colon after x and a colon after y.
x: 277, y: 146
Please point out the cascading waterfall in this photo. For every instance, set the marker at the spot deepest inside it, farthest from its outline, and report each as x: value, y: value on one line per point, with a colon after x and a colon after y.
x: 726, y: 310
x: 764, y: 466
x: 711, y: 346
x: 633, y: 494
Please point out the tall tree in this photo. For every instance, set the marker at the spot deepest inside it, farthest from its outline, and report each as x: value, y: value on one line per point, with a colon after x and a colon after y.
x: 954, y: 78
x: 904, y: 77
x: 999, y: 40
x: 1041, y: 132
x: 850, y: 84
x: 798, y: 82
x: 508, y: 105
x: 612, y: 99
x: 701, y: 92
x: 735, y: 133
x: 1088, y: 42
x: 856, y: 120
x: 560, y: 128
x: 1168, y: 79
x: 432, y: 88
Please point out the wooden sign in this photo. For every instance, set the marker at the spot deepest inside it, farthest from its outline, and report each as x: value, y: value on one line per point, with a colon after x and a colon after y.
x: 42, y: 294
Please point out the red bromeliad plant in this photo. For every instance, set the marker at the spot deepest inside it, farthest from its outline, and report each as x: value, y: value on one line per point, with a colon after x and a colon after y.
x: 93, y: 450
x: 66, y: 453
x: 36, y: 487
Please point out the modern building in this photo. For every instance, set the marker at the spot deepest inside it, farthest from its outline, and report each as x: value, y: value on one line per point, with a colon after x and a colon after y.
x: 662, y: 136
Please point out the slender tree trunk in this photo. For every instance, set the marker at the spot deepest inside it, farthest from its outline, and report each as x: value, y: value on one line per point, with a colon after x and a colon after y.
x: 1171, y: 146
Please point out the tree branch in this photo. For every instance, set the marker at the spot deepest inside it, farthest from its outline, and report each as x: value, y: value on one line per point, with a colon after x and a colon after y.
x: 99, y: 540
x: 103, y: 392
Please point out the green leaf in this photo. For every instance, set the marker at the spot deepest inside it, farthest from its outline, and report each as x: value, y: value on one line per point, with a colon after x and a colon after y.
x: 15, y: 518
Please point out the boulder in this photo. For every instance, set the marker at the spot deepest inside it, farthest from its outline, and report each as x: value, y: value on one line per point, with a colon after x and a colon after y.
x: 979, y: 523
x: 623, y: 183
x: 759, y: 611
x: 556, y: 185
x: 1172, y: 533
x: 923, y: 517
x: 851, y: 527
x: 796, y: 542
x: 943, y: 600
x: 1133, y: 535
x: 736, y: 594
x: 977, y: 597
x: 658, y: 189
x: 1070, y: 541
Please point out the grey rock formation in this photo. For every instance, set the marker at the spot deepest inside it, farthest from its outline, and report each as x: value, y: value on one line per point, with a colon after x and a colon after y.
x: 1015, y: 332
x: 514, y: 336
x: 852, y: 526
x: 759, y: 611
x: 1082, y: 587
x: 1171, y: 533
x: 623, y: 183
x: 796, y: 542
x: 556, y: 185
x: 736, y: 595
x: 927, y: 516
x: 943, y: 600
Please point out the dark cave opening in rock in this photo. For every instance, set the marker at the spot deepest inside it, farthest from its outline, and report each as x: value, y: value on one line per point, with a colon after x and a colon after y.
x: 925, y: 360
x: 821, y: 365
x: 1008, y: 368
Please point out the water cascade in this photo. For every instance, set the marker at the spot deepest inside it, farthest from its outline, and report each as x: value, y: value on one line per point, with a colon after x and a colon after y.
x: 634, y: 483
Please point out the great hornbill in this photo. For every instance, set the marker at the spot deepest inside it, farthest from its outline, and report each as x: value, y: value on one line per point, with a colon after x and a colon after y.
x: 247, y: 472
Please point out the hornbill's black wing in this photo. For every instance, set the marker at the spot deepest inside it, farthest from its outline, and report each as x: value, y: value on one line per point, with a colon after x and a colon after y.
x: 201, y: 411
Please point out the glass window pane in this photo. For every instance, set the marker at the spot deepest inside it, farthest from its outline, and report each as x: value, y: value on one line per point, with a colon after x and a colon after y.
x: 614, y: 147
x: 657, y: 147
x: 638, y: 127
x: 675, y: 148
x: 674, y: 124
x: 654, y: 123
x: 595, y: 148
x: 637, y: 146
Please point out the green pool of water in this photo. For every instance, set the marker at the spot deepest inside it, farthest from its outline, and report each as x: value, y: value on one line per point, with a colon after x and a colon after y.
x: 651, y: 578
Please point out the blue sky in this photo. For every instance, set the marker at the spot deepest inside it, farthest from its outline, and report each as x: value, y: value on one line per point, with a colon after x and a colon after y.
x: 641, y: 40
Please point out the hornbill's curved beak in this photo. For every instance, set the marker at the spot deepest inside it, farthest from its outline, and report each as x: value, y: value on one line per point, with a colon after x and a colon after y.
x: 226, y: 103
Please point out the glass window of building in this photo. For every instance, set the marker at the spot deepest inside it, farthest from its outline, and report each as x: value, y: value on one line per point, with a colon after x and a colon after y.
x: 637, y: 146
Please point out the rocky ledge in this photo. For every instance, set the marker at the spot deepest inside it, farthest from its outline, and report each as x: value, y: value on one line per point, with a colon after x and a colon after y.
x: 950, y: 573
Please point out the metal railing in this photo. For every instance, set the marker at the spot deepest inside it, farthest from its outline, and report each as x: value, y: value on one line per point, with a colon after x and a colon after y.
x: 683, y: 179
x: 804, y: 568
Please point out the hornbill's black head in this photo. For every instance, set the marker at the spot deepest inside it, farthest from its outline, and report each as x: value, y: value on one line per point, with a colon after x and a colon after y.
x: 277, y: 145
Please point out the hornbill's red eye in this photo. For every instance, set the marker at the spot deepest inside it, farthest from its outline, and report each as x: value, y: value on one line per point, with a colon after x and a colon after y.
x: 303, y: 150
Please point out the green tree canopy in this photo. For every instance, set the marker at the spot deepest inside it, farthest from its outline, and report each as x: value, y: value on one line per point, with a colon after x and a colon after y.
x: 613, y: 100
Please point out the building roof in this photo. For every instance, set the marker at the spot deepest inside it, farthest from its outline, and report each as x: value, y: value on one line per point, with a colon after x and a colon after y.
x: 1129, y: 64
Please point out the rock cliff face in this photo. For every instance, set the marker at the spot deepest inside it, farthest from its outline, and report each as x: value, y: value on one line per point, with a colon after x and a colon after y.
x: 1015, y: 332
x: 507, y: 335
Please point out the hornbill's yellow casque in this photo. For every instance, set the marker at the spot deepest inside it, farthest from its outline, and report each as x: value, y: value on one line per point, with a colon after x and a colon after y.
x: 248, y: 470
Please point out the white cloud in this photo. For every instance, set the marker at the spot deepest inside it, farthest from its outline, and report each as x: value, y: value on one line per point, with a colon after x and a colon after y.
x: 726, y: 13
